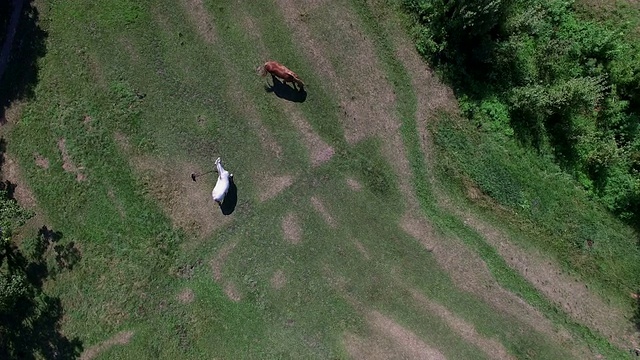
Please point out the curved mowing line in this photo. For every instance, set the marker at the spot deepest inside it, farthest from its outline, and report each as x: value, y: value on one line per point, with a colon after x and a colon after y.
x: 505, y: 276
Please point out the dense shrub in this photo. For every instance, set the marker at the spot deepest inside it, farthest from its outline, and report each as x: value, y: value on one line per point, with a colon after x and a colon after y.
x: 535, y: 71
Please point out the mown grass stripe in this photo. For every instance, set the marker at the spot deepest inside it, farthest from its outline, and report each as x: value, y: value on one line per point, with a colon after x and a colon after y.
x: 505, y: 275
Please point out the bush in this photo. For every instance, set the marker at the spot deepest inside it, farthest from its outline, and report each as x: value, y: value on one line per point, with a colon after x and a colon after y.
x: 536, y: 71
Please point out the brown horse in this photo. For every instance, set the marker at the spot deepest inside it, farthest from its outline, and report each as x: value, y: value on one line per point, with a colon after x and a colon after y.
x: 278, y: 70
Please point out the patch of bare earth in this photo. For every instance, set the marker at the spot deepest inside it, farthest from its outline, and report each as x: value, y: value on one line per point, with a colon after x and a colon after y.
x: 367, y: 99
x: 187, y: 203
x: 491, y: 347
x: 117, y: 203
x: 232, y: 292
x: 217, y: 263
x: 319, y: 151
x: 272, y: 185
x: 123, y: 141
x: 319, y: 206
x: 11, y: 171
x: 564, y: 290
x: 186, y: 296
x: 278, y: 280
x: 361, y: 249
x: 371, y: 348
x: 354, y: 184
x: 201, y: 19
x: 291, y: 228
x: 130, y: 48
x: 41, y: 161
x: 67, y: 163
x: 121, y: 338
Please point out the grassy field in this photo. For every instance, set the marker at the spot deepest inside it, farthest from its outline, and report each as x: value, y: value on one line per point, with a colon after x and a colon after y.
x: 370, y: 220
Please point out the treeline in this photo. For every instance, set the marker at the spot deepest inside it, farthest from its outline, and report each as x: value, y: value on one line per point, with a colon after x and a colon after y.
x: 536, y: 71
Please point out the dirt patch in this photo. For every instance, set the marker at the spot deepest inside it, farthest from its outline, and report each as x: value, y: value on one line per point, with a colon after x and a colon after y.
x: 354, y: 184
x: 319, y: 151
x: 41, y: 161
x: 372, y: 348
x: 319, y: 206
x: 11, y: 171
x: 393, y: 150
x: 121, y: 338
x: 218, y: 261
x: 123, y: 141
x: 117, y: 203
x: 419, y: 229
x: 564, y: 290
x: 272, y: 185
x: 67, y: 163
x: 291, y: 228
x: 368, y: 102
x: 361, y: 249
x: 493, y: 348
x: 278, y: 280
x: 187, y: 203
x: 186, y: 296
x: 407, y: 342
x: 232, y: 292
x: 201, y: 19
x: 130, y: 48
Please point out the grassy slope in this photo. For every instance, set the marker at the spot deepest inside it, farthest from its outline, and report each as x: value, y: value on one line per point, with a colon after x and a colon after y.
x: 127, y: 278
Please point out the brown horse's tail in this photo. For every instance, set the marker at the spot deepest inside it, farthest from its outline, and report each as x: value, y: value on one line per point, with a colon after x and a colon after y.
x: 261, y: 70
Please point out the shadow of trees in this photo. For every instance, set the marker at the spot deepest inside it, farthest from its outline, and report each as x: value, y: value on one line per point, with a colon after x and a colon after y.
x: 29, y: 317
x: 23, y: 43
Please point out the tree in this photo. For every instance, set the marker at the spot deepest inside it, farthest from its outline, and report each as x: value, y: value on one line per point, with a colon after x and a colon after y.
x: 29, y: 318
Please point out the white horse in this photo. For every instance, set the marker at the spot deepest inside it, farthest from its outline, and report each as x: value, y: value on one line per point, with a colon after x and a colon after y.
x: 222, y: 185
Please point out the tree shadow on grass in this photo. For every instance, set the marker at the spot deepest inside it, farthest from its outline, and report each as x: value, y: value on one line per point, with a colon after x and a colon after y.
x: 22, y: 46
x: 284, y: 91
x: 30, y: 320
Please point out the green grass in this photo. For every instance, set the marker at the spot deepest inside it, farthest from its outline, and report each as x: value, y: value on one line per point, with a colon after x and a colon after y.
x: 140, y: 69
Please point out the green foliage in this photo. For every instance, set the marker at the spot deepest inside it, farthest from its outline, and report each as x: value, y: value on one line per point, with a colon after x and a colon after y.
x: 28, y: 317
x: 11, y: 215
x: 560, y: 83
x: 542, y: 200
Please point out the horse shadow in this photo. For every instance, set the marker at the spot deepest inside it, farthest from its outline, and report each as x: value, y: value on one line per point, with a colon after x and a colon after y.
x: 284, y: 91
x: 230, y: 200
